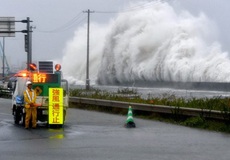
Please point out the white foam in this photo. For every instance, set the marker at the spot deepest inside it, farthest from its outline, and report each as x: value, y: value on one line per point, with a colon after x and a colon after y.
x: 153, y: 43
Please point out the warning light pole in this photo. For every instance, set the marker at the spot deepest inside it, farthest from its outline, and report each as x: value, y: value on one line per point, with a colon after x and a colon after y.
x: 7, y: 29
x: 28, y: 41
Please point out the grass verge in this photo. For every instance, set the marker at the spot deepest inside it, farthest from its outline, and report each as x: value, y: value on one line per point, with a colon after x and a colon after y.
x: 216, y: 103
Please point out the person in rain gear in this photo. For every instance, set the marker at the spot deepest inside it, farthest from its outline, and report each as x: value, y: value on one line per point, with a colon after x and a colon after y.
x: 30, y: 107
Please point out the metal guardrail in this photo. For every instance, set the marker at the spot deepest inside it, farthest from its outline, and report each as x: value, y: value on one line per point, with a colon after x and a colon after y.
x: 213, y: 114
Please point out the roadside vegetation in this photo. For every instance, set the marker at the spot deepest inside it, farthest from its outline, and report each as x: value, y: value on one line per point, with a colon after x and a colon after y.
x: 131, y: 95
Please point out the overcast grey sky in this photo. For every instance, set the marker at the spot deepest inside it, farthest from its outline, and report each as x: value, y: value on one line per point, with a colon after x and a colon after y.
x: 55, y: 23
x: 217, y: 11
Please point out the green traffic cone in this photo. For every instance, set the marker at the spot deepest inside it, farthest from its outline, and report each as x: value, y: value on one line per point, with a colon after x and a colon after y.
x: 129, y: 121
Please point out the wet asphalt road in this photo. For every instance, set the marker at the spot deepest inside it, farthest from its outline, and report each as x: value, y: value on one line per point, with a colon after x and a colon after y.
x: 99, y: 136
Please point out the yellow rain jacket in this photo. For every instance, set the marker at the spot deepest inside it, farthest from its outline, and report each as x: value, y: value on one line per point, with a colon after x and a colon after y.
x: 30, y: 98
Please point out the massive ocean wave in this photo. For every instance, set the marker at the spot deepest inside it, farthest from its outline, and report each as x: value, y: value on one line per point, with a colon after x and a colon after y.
x: 155, y: 43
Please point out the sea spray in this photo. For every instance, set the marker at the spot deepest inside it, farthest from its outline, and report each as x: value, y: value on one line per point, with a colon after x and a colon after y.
x: 154, y: 43
x: 74, y: 60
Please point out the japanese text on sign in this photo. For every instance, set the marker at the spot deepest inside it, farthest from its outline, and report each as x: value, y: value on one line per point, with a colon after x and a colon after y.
x: 44, y: 78
x: 55, y: 106
x: 39, y: 78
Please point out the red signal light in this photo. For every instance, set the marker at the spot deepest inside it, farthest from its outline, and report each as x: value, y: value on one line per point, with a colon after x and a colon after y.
x: 57, y: 67
x: 33, y: 67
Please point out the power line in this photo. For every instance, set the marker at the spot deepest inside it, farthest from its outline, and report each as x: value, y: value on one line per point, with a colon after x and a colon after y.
x: 133, y: 8
x: 79, y: 18
x: 72, y: 25
x: 140, y: 6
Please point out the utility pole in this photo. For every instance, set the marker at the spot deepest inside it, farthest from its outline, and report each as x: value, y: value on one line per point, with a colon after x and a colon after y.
x: 3, y: 58
x: 87, y: 58
x: 5, y: 65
